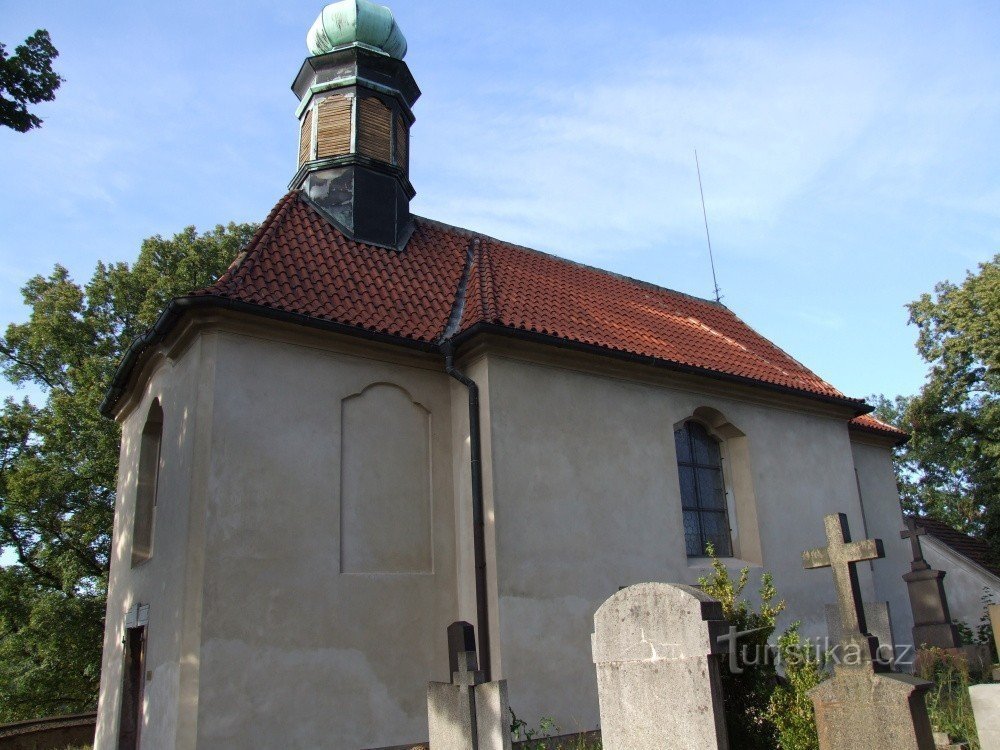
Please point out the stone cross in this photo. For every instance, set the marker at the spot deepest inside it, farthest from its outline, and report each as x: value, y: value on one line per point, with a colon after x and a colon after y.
x: 862, y: 707
x: 467, y: 712
x: 913, y: 533
x: 462, y: 661
x: 842, y: 556
x: 932, y: 623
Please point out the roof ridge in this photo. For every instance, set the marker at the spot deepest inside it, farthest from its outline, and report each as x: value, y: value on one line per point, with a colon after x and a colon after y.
x: 569, y: 261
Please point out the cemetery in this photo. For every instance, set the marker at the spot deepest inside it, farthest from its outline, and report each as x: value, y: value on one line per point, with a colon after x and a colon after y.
x: 389, y: 483
x: 659, y: 648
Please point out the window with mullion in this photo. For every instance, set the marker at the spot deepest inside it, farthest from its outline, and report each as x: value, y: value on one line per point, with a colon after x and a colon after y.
x: 703, y: 493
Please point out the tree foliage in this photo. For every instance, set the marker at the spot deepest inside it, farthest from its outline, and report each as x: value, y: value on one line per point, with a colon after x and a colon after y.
x: 27, y: 77
x: 59, y: 461
x: 950, y: 469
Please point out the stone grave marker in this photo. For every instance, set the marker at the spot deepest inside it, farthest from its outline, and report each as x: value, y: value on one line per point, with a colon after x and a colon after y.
x: 986, y: 709
x: 932, y: 624
x: 994, y: 612
x: 879, y: 622
x: 657, y: 676
x: 468, y: 712
x: 861, y: 707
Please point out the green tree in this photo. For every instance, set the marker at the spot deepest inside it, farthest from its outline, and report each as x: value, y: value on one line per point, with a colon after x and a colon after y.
x: 950, y: 469
x: 59, y: 461
x: 26, y: 77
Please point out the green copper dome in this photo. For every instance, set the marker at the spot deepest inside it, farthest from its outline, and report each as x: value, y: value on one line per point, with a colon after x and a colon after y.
x: 356, y: 21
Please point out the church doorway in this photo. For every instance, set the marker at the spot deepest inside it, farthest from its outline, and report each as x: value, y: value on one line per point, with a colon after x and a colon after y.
x: 133, y: 683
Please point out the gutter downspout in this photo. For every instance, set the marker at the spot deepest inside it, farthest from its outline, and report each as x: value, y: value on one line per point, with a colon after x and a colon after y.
x: 476, y: 464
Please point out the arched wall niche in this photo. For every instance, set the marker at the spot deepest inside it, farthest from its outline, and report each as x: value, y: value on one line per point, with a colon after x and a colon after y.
x: 385, y: 487
x: 143, y: 521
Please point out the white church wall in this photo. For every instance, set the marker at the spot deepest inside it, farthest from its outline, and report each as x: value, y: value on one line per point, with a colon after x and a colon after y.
x: 884, y: 520
x: 584, y: 486
x: 160, y: 581
x: 964, y: 583
x: 305, y: 638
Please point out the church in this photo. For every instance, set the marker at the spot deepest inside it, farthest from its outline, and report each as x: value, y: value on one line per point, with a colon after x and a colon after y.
x: 374, y: 424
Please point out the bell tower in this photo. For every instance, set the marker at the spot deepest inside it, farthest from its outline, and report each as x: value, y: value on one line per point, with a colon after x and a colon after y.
x: 355, y: 98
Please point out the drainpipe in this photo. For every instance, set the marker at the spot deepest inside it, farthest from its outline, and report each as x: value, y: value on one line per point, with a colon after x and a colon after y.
x: 478, y: 525
x: 476, y: 455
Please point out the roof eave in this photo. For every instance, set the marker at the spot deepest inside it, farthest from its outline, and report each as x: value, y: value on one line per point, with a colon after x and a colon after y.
x: 858, y: 406
x: 180, y: 306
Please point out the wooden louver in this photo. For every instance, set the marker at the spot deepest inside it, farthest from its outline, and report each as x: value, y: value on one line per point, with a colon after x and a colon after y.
x: 375, y: 129
x: 305, y: 138
x: 402, y: 144
x: 333, y: 128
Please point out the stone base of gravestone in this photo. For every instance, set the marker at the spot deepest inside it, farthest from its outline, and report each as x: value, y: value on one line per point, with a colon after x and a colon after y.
x: 986, y: 708
x: 932, y: 625
x: 879, y: 622
x: 450, y: 720
x: 858, y: 709
x: 657, y: 678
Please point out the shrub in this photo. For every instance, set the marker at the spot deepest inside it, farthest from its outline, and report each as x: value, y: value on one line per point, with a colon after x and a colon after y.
x: 790, y: 709
x: 747, y: 690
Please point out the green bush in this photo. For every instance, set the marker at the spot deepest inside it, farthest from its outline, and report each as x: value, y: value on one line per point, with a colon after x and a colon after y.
x: 747, y: 690
x: 790, y: 709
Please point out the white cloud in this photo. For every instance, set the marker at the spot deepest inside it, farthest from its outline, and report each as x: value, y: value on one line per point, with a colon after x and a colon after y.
x: 837, y: 118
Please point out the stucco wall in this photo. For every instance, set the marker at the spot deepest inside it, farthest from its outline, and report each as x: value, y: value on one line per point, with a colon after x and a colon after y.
x: 181, y: 386
x: 586, y: 499
x: 884, y: 517
x: 302, y: 642
x: 964, y: 583
x: 266, y: 631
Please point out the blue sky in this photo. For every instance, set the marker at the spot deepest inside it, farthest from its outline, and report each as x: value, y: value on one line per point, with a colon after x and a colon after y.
x: 849, y: 153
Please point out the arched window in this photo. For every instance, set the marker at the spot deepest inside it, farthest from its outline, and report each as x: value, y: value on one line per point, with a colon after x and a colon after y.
x: 145, y: 495
x: 703, y: 491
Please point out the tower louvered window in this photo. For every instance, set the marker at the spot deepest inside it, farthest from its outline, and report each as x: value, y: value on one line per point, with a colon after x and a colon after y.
x: 402, y: 145
x: 305, y: 138
x: 333, y: 128
x: 375, y: 129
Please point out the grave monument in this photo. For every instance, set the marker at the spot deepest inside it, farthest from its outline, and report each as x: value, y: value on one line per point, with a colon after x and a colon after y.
x: 862, y: 707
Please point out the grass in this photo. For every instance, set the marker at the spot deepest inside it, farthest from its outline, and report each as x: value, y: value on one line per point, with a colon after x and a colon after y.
x: 948, y: 703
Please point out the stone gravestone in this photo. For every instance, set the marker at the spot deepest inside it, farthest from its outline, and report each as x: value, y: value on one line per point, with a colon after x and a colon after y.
x: 994, y: 612
x: 860, y: 708
x: 468, y: 712
x: 657, y: 679
x: 879, y: 623
x: 986, y: 709
x: 932, y: 624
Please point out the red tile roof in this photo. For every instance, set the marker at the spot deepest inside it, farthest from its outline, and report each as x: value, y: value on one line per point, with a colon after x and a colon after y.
x: 300, y: 263
x: 868, y: 423
x: 967, y: 546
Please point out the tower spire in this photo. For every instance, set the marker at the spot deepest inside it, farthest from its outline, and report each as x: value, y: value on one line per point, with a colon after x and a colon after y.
x: 355, y: 112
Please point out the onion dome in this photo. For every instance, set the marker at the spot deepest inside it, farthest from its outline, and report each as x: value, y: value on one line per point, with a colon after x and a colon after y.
x: 356, y: 22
